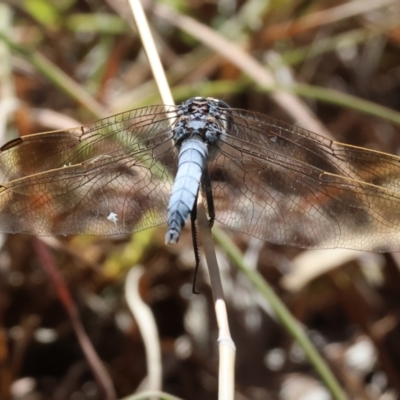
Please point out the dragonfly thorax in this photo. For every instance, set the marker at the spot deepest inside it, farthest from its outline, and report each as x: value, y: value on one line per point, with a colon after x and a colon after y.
x: 199, y: 118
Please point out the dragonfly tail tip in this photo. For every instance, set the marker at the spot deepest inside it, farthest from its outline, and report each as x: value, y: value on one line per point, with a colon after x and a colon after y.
x: 172, y: 237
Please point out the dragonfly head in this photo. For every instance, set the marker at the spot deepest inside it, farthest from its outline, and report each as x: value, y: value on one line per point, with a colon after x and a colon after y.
x: 200, y: 117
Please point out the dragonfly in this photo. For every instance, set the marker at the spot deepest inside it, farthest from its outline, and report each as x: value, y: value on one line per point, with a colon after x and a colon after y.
x: 146, y: 167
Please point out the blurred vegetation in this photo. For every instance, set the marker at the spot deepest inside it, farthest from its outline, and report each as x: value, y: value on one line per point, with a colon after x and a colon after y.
x: 68, y: 62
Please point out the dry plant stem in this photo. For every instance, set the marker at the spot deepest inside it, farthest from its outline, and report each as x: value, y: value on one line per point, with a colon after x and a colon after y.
x: 102, y: 377
x: 152, y: 394
x: 227, y: 348
x: 283, y: 314
x: 8, y: 101
x: 151, y: 51
x: 147, y: 326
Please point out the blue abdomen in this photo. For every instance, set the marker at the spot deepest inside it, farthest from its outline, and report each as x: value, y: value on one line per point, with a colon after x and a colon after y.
x: 192, y: 158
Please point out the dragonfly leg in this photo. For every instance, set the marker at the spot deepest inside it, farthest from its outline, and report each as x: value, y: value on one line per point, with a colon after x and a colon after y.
x: 193, y: 217
x: 206, y: 185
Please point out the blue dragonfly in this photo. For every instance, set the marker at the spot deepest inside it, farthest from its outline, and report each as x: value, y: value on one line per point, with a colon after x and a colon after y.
x: 257, y: 175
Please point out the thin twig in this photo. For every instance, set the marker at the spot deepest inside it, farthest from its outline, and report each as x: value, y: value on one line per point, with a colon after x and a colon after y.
x: 151, y: 51
x: 147, y: 326
x: 227, y: 348
x: 8, y: 101
x: 151, y: 394
x: 283, y: 314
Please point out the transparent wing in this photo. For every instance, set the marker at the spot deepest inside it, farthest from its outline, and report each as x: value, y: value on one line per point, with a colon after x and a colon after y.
x: 109, y: 177
x: 290, y: 186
